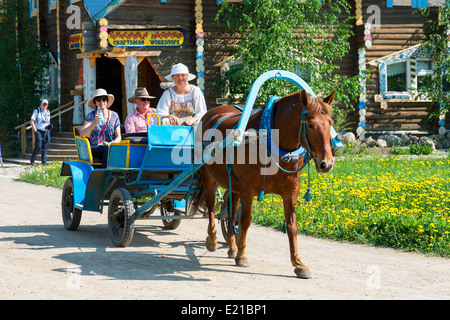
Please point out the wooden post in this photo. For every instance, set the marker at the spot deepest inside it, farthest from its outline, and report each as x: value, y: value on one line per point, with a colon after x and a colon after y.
x: 23, y: 141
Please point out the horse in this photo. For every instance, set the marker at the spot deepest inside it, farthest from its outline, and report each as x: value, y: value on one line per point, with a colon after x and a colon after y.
x: 303, y: 123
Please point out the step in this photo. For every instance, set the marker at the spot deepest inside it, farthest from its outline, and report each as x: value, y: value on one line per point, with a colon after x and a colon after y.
x: 62, y: 147
x: 51, y: 157
x: 66, y: 134
x: 62, y: 152
x: 62, y: 140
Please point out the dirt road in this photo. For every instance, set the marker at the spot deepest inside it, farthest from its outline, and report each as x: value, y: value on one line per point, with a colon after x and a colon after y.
x: 39, y: 259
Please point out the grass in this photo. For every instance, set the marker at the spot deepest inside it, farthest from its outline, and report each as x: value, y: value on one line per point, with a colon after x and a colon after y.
x: 47, y: 175
x: 395, y: 202
x: 389, y: 202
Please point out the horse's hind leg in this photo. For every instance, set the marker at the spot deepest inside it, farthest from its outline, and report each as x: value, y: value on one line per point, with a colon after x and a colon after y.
x: 301, y: 270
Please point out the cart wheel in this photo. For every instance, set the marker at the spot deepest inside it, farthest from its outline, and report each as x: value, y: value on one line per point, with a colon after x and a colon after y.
x: 71, y: 216
x: 121, y: 217
x: 224, y: 220
x: 165, y: 211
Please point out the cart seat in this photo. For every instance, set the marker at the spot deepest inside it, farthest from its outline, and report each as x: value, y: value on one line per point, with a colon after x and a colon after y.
x: 136, y: 137
x: 84, y: 148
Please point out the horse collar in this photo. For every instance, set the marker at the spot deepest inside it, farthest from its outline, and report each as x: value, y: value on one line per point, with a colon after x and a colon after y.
x: 267, y: 123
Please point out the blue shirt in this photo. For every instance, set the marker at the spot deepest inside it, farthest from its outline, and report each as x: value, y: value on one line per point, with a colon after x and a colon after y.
x: 105, y: 131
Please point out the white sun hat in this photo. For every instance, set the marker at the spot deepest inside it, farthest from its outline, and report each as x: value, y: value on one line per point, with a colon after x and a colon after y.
x: 180, y: 68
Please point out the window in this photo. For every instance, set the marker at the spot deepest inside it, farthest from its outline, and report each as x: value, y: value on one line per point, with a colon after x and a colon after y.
x: 424, y: 69
x: 397, y: 77
x: 403, y: 73
x: 50, y: 80
x: 33, y: 8
x: 446, y: 84
x: 303, y: 70
x: 52, y: 5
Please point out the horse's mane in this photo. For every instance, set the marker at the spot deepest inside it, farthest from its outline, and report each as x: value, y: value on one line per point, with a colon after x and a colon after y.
x: 315, y: 106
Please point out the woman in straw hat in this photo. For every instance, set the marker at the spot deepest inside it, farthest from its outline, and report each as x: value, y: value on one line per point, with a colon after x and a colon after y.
x: 102, y: 125
x: 184, y: 103
x: 137, y: 120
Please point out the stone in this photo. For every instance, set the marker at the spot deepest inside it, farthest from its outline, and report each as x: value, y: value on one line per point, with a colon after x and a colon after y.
x: 381, y: 143
x: 349, y: 138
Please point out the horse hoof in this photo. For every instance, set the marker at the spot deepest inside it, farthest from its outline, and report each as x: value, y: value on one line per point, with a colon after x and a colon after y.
x: 241, y: 262
x: 302, y: 273
x: 232, y: 254
x: 211, y: 245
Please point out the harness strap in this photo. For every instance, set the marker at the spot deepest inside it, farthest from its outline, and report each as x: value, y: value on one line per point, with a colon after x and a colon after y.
x: 267, y: 124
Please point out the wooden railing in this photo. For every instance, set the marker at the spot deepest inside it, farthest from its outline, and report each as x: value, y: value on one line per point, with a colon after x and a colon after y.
x: 26, y: 125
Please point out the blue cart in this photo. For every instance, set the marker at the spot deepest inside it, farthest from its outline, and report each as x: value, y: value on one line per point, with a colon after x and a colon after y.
x: 145, y: 172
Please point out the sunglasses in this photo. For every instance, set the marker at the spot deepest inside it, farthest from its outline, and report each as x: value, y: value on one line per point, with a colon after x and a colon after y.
x: 144, y: 99
x: 101, y: 99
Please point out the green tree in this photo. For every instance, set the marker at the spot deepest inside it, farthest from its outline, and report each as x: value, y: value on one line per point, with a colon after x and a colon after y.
x: 305, y: 37
x: 436, y: 86
x: 21, y: 67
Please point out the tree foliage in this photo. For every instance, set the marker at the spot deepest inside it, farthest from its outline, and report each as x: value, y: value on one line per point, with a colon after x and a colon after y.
x: 21, y: 66
x: 305, y: 37
x: 436, y: 86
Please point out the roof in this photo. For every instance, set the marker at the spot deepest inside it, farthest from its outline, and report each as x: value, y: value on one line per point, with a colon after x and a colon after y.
x: 416, y: 51
x: 101, y: 8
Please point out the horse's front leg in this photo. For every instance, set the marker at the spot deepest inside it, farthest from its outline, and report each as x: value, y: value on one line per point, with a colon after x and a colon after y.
x: 244, y: 223
x: 301, y: 270
x: 231, y: 237
x: 210, y: 198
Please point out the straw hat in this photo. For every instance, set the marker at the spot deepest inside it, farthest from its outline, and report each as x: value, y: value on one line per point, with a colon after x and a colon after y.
x: 140, y: 93
x: 100, y: 93
x: 180, y: 68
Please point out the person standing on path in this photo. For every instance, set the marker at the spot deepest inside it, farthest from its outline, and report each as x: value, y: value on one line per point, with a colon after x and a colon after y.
x: 40, y: 124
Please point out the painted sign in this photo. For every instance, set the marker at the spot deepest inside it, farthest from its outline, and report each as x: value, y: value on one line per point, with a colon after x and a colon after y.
x: 146, y: 38
x: 75, y: 41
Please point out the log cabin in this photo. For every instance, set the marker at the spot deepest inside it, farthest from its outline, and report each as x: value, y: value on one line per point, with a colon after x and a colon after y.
x: 119, y: 45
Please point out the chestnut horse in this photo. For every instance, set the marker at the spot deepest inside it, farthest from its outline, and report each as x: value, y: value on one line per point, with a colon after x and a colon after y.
x: 301, y: 120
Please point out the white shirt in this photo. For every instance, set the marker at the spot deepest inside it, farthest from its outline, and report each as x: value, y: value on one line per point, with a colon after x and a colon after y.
x: 195, y: 95
x: 41, y: 118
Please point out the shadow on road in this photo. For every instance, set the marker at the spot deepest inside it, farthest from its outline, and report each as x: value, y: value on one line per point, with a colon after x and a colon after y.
x: 89, y: 252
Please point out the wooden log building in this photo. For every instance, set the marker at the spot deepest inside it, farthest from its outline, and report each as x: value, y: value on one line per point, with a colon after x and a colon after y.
x: 119, y: 45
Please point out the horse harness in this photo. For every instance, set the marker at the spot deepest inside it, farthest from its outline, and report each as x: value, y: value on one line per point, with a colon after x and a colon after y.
x: 266, y: 124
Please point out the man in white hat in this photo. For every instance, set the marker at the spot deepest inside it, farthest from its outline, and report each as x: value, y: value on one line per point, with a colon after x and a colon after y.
x: 137, y: 120
x: 184, y: 103
x: 40, y: 124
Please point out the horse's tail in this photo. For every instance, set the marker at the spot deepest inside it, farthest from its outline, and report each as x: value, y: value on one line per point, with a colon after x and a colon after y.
x: 197, y: 200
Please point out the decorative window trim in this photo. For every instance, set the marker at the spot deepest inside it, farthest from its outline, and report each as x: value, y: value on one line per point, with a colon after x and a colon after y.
x: 52, y: 5
x: 415, y: 4
x: 410, y: 56
x: 33, y: 8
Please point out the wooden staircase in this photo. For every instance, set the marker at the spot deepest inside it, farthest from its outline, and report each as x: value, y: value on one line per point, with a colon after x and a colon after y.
x: 62, y: 147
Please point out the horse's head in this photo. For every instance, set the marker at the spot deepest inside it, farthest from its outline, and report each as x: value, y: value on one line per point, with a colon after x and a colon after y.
x: 317, y: 124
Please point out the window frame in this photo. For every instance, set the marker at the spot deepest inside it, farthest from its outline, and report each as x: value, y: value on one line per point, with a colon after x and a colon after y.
x: 407, y: 79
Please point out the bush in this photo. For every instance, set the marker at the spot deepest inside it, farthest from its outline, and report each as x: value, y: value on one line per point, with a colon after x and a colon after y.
x: 421, y: 147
